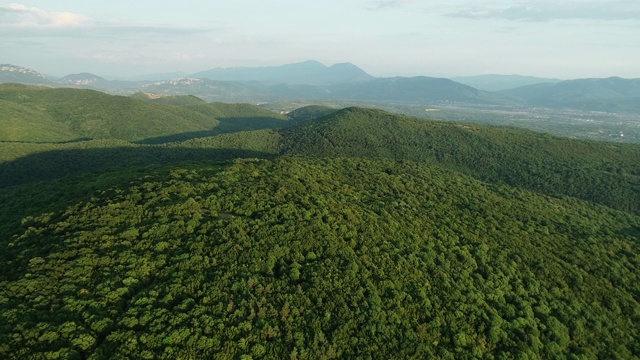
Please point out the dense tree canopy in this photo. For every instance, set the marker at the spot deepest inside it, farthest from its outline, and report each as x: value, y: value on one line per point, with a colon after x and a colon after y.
x: 321, y: 258
x: 605, y: 173
x: 323, y: 234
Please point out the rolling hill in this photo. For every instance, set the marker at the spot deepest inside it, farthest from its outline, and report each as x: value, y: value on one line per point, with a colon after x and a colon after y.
x: 310, y: 112
x: 351, y: 233
x: 20, y: 123
x: 93, y: 114
x: 600, y: 172
x: 70, y: 114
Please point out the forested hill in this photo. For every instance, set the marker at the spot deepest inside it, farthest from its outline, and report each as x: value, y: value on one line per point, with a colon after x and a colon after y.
x: 40, y: 114
x: 314, y: 258
x: 605, y: 173
x: 85, y: 113
x: 321, y: 235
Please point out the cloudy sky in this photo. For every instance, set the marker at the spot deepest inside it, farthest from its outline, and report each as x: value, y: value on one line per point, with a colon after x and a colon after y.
x: 555, y: 38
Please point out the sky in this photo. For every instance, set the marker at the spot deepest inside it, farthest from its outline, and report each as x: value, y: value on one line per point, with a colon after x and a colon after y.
x: 564, y: 39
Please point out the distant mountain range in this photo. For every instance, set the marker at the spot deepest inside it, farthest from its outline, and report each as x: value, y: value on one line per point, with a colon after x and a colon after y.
x: 610, y: 94
x: 419, y: 89
x: 304, y: 73
x: 347, y: 82
x: 492, y: 82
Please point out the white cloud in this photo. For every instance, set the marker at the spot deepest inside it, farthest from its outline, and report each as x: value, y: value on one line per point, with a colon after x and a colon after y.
x: 556, y: 10
x: 27, y: 22
x: 25, y: 16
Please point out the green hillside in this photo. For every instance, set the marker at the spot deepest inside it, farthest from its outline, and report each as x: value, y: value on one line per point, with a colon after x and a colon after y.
x: 92, y: 114
x: 604, y: 173
x: 172, y: 100
x: 325, y: 258
x: 235, y: 111
x: 266, y: 141
x: 19, y: 122
x: 310, y: 112
x: 323, y: 234
x: 55, y: 115
x: 601, y: 172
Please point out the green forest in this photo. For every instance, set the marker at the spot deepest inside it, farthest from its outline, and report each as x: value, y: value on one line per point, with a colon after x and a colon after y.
x: 318, y: 234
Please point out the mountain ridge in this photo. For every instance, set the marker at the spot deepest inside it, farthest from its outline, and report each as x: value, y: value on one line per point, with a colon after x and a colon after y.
x: 422, y: 89
x: 309, y: 72
x: 347, y: 82
x: 596, y: 94
x: 497, y: 82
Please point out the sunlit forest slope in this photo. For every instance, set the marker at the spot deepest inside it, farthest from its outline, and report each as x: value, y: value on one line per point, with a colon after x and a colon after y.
x: 320, y: 234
